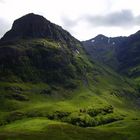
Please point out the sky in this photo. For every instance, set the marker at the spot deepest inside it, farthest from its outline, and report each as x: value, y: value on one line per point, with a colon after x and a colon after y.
x: 84, y: 19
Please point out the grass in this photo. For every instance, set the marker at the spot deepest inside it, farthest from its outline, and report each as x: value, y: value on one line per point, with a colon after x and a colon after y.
x: 31, y: 124
x: 37, y: 110
x: 41, y: 129
x: 49, y: 97
x: 34, y: 124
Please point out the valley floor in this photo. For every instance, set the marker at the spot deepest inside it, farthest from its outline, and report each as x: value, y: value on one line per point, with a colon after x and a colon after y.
x: 39, y: 112
x: 43, y: 129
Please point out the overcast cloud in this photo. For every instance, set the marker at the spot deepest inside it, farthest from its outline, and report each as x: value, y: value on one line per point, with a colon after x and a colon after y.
x: 82, y: 18
x: 116, y: 19
x: 123, y: 19
x: 4, y: 25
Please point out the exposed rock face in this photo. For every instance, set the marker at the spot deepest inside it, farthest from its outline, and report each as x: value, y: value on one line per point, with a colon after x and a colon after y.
x: 35, y: 26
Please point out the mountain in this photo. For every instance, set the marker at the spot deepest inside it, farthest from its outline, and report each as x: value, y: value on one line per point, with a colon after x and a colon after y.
x: 104, y: 41
x: 103, y: 49
x: 128, y: 55
x: 51, y: 89
x: 36, y: 26
x: 119, y: 53
x: 122, y: 50
x: 37, y: 50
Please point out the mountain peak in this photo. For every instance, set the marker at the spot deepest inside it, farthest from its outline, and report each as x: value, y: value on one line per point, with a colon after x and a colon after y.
x: 100, y: 36
x: 35, y: 26
x: 28, y: 26
x: 29, y: 17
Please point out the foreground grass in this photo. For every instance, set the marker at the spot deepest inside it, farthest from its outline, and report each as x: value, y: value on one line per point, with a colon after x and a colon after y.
x: 25, y: 116
x: 41, y: 129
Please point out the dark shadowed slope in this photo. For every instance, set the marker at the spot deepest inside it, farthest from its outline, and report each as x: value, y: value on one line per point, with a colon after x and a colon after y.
x: 122, y: 53
x: 103, y: 49
x: 128, y: 55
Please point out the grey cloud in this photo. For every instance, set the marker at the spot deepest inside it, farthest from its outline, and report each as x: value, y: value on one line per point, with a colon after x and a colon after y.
x: 2, y: 1
x: 118, y: 19
x: 124, y: 18
x: 69, y: 22
x: 137, y: 20
x: 4, y: 26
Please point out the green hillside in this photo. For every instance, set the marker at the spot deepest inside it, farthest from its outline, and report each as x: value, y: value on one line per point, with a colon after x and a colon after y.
x: 40, y: 111
x: 51, y: 89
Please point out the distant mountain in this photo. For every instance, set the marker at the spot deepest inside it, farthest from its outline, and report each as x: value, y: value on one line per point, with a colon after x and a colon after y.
x: 120, y: 53
x: 104, y: 41
x: 128, y: 55
x: 103, y: 49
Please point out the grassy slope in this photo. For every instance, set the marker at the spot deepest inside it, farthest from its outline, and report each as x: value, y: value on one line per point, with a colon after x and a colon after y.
x: 98, y: 93
x: 26, y: 107
x: 43, y: 129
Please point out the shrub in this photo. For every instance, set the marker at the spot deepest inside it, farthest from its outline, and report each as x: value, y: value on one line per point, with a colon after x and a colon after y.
x: 107, y: 119
x: 96, y: 111
x: 58, y: 115
x: 81, y: 119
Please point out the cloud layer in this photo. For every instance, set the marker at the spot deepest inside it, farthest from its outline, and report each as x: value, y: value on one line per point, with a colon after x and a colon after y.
x: 83, y: 19
x: 123, y: 19
x: 2, y: 1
